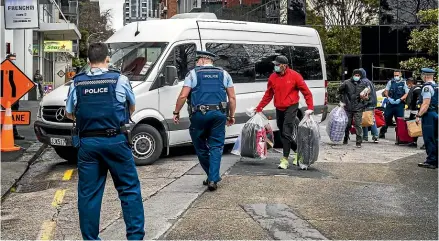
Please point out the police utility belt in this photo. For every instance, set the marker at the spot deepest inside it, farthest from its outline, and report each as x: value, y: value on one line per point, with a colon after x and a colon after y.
x: 104, y: 133
x: 205, y: 108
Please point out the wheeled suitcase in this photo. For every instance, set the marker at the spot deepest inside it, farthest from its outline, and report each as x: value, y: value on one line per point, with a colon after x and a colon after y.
x: 402, y: 133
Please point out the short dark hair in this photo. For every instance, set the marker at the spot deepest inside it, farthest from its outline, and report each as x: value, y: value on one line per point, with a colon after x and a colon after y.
x: 97, y: 53
x: 411, y: 80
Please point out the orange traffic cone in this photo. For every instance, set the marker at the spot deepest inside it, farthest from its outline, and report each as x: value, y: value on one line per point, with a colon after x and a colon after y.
x: 7, y: 144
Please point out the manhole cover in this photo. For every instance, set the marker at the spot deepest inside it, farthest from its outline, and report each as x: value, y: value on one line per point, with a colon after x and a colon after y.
x: 35, y: 187
x: 61, y: 73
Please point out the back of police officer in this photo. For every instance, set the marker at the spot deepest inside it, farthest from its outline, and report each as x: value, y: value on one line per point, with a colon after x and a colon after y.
x: 396, y: 92
x: 98, y: 102
x: 208, y: 87
x: 429, y: 114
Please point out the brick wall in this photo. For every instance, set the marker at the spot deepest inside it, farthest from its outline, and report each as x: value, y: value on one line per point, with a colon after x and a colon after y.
x: 172, y: 8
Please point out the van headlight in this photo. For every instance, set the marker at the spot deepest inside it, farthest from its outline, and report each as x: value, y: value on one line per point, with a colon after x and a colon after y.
x: 40, y: 111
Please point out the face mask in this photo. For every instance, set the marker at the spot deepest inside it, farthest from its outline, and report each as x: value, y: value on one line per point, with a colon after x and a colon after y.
x: 397, y: 78
x: 277, y: 68
x: 356, y: 78
x: 13, y: 61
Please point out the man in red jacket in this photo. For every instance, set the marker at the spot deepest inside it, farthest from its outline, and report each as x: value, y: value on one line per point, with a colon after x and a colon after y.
x: 285, y: 85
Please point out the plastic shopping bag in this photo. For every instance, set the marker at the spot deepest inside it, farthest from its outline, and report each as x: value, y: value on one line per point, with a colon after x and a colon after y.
x: 337, y: 123
x: 255, y: 136
x: 308, y: 140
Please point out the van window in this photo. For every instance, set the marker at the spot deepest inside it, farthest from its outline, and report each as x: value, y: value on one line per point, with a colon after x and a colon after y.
x: 135, y: 60
x: 183, y: 58
x: 306, y: 61
x: 248, y: 63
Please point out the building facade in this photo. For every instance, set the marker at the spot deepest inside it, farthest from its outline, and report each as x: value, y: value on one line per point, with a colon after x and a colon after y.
x: 50, y: 47
x: 140, y: 10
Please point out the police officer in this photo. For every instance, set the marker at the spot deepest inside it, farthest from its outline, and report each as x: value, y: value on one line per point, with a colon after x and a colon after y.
x: 98, y: 101
x: 429, y: 114
x: 208, y: 88
x: 396, y: 92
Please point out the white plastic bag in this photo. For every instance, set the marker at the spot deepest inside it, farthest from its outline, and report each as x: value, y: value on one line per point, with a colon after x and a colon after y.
x: 254, y: 137
x: 337, y: 123
x: 308, y: 140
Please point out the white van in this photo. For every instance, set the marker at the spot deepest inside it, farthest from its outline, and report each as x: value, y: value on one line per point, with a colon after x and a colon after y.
x: 164, y: 50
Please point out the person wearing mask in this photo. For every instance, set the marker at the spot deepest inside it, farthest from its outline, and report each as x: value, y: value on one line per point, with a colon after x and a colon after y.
x: 207, y: 88
x: 429, y: 115
x: 370, y: 106
x: 284, y: 85
x: 396, y: 92
x: 354, y: 103
x: 38, y: 78
x: 412, y: 103
x: 101, y: 101
x: 16, y: 106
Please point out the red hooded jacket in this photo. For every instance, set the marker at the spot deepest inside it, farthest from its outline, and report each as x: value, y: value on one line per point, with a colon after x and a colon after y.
x: 285, y: 89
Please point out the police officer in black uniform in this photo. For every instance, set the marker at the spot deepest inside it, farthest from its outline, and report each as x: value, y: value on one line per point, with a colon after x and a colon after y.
x: 208, y: 88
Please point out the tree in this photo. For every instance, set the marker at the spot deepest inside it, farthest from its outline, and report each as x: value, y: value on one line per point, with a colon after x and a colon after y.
x: 92, y: 21
x: 424, y: 40
x: 345, y: 12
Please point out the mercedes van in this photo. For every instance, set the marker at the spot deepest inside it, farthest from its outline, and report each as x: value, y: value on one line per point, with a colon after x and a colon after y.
x: 156, y: 55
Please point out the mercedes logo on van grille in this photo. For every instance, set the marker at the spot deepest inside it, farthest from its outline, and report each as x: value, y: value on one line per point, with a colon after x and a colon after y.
x: 60, y: 114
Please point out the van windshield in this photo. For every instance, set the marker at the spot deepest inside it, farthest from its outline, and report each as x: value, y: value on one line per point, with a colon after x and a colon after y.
x: 135, y: 60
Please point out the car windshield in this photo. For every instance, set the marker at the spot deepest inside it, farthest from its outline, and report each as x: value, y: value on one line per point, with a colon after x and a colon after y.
x: 135, y: 60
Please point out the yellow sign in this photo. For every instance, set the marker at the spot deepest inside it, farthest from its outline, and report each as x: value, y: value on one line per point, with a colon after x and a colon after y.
x: 58, y: 46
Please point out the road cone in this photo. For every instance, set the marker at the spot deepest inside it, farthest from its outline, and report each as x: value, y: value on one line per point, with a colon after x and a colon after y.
x: 7, y: 144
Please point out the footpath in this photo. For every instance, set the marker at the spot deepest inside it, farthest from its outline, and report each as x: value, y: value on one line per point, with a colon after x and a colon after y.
x: 376, y: 192
x: 15, y: 164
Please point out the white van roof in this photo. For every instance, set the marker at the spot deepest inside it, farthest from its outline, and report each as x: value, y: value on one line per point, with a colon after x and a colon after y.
x: 170, y: 30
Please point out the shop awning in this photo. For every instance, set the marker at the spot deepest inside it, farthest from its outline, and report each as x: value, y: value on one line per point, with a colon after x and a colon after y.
x: 60, y: 31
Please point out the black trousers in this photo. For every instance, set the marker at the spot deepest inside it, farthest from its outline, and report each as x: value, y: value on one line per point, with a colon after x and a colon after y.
x: 285, y: 123
x: 15, y: 107
x: 358, y: 118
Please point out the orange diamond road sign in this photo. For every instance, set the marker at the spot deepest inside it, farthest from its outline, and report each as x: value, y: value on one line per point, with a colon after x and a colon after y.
x: 14, y: 83
x: 18, y: 117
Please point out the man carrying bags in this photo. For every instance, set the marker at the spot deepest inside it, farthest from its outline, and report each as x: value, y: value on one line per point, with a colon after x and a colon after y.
x: 284, y: 85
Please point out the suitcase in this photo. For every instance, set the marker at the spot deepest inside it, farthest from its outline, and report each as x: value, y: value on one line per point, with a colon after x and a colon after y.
x: 402, y: 132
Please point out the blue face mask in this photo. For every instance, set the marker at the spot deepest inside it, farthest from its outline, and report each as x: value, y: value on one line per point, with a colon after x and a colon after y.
x: 277, y: 68
x: 356, y: 78
x: 397, y: 78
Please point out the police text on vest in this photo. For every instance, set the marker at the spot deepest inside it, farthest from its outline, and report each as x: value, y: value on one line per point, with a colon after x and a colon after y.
x: 96, y: 90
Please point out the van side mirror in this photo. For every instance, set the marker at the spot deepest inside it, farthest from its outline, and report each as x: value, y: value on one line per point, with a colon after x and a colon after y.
x: 171, y: 75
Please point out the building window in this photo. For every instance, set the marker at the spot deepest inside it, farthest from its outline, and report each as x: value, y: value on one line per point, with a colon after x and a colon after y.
x: 183, y: 58
x: 247, y: 63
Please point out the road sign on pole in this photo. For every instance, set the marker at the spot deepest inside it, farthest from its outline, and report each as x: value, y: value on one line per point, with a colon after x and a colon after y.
x: 14, y: 83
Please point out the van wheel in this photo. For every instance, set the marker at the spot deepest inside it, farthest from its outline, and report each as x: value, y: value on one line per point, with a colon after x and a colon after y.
x: 147, y: 144
x: 69, y: 154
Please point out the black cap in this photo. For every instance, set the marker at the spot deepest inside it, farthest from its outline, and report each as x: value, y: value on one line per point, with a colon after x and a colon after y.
x: 280, y: 60
x: 205, y: 54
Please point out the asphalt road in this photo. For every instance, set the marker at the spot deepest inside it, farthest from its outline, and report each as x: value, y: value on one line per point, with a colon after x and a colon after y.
x: 376, y: 192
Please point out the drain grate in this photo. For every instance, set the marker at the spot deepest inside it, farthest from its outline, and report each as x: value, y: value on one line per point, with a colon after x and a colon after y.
x: 35, y: 187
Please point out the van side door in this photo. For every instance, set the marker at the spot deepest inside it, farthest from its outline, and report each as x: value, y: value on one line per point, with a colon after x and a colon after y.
x: 182, y: 57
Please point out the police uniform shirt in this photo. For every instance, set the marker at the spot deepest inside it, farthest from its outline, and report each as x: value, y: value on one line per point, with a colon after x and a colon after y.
x: 191, y: 79
x: 389, y: 84
x: 427, y: 92
x: 124, y: 91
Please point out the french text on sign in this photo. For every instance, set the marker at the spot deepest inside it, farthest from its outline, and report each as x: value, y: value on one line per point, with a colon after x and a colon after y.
x: 14, y: 83
x: 18, y: 117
